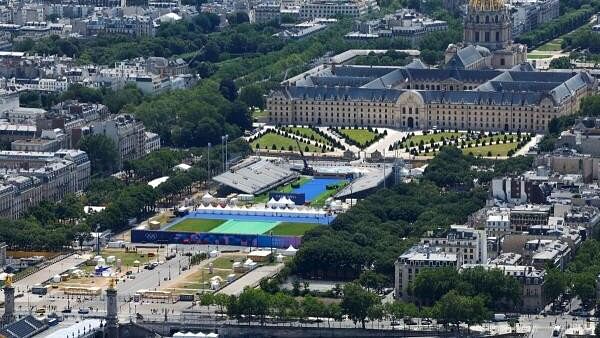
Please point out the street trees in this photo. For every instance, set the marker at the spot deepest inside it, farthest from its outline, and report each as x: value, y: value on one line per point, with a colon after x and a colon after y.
x: 251, y: 303
x: 455, y: 308
x: 102, y: 152
x: 555, y: 283
x: 358, y: 302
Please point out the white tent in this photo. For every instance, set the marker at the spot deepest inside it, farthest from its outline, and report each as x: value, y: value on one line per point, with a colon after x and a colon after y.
x: 207, y: 198
x: 272, y: 203
x: 189, y: 335
x: 290, y: 251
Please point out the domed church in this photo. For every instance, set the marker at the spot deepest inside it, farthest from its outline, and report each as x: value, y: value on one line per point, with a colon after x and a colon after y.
x: 487, y: 41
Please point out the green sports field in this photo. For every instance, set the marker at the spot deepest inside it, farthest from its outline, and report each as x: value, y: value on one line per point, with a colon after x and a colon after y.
x: 244, y: 227
x: 196, y: 225
x: 292, y: 229
x: 233, y: 226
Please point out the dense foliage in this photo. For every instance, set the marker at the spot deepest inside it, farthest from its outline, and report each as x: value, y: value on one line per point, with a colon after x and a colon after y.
x: 580, y: 275
x: 115, y: 100
x: 48, y: 226
x: 499, y: 291
x: 102, y: 152
x: 380, y: 227
x: 557, y: 27
x: 195, y: 117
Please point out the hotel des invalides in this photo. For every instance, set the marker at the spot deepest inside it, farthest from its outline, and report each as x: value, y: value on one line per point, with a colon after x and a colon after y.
x: 485, y: 84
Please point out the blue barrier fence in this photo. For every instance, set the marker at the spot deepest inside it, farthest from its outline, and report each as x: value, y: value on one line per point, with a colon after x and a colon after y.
x: 171, y: 237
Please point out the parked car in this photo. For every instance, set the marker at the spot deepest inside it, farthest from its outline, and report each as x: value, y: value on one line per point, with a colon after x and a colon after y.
x: 409, y: 321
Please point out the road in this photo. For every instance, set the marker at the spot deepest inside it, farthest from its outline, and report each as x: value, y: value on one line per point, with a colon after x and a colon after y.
x: 251, y: 279
x: 383, y: 145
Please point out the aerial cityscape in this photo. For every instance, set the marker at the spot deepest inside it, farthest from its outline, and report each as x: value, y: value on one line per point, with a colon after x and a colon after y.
x: 299, y: 168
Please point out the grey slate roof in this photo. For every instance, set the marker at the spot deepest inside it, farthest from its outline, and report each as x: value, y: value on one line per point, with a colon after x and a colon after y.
x: 343, y: 94
x: 481, y: 98
x: 377, y: 84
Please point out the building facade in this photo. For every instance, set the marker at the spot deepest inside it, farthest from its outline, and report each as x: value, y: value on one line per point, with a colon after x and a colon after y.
x: 469, y: 245
x: 417, y: 259
x: 405, y: 97
x: 128, y: 134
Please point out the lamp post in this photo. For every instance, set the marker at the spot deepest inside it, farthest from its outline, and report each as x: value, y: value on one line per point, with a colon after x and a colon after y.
x: 97, y: 239
x: 208, y: 162
x: 224, y: 140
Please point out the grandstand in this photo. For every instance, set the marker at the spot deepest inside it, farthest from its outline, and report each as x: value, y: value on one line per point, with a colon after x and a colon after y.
x: 24, y: 328
x: 255, y: 176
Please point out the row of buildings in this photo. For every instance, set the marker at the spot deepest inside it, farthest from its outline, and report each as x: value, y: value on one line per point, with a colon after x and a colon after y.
x: 27, y: 178
x: 406, y: 24
x: 150, y: 75
x: 533, y: 221
x: 36, y: 130
x: 307, y: 10
x: 38, y: 20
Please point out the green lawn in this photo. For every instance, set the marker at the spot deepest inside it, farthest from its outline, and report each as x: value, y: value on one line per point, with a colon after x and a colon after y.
x: 361, y: 136
x: 196, y: 225
x: 292, y: 229
x: 319, y: 201
x: 427, y: 138
x: 307, y: 133
x: 552, y: 46
x: 496, y: 149
x: 267, y: 140
x: 538, y: 56
x: 226, y: 262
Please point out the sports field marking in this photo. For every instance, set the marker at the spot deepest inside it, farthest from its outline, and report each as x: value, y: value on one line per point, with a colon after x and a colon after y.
x: 196, y: 225
x: 244, y: 227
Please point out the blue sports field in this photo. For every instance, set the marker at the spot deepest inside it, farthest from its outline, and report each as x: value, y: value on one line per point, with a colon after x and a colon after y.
x: 315, y: 187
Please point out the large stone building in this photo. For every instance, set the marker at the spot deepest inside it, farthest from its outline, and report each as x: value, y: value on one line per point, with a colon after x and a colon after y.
x: 27, y: 178
x: 487, y: 38
x: 519, y: 99
x: 128, y: 134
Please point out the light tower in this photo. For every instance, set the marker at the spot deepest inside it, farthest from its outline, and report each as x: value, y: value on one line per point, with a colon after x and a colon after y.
x: 9, y: 302
x: 112, y: 318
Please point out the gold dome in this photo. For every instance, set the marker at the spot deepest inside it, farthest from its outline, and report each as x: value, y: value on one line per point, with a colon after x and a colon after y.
x: 486, y: 5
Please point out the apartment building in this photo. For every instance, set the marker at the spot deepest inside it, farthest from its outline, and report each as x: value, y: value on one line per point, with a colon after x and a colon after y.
x: 497, y: 223
x: 128, y: 134
x: 469, y: 245
x: 531, y: 279
x: 152, y: 142
x: 49, y: 141
x: 26, y: 179
x: 329, y: 9
x: 525, y: 215
x: 416, y: 259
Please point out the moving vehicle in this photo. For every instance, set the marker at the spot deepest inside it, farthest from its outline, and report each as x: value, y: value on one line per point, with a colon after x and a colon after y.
x: 83, y: 311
